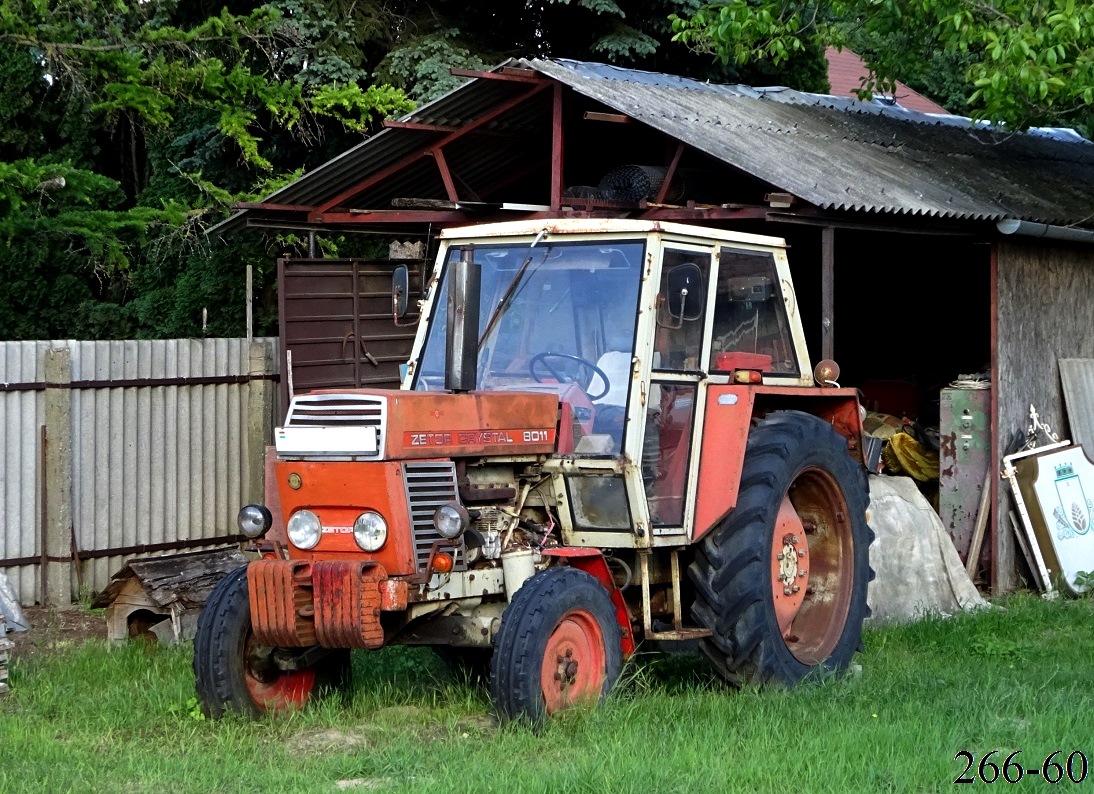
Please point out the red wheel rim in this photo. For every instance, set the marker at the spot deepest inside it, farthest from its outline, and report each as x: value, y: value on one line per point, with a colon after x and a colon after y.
x: 272, y: 689
x: 574, y: 662
x: 812, y: 566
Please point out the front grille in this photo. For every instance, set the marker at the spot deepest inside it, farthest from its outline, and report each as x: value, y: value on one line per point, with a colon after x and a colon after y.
x: 341, y: 410
x: 334, y: 424
x: 429, y: 484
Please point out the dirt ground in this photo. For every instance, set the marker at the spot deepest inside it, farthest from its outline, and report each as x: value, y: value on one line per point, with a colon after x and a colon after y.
x: 54, y: 629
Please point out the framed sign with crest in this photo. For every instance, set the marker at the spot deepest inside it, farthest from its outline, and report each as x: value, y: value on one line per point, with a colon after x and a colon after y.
x: 1053, y: 487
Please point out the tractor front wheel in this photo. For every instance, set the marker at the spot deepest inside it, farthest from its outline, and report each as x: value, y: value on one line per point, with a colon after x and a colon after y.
x: 234, y: 672
x: 559, y: 646
x: 781, y: 582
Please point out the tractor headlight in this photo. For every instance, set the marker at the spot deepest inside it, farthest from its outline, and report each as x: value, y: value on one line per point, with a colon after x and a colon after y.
x: 451, y: 519
x: 370, y: 531
x: 304, y: 529
x: 254, y: 520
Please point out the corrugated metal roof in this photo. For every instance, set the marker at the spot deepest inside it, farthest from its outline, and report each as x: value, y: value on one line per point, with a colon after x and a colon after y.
x: 459, y: 107
x: 843, y: 154
x: 837, y: 153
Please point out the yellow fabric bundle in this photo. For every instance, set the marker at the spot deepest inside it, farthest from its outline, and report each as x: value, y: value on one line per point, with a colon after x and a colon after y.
x: 903, y: 454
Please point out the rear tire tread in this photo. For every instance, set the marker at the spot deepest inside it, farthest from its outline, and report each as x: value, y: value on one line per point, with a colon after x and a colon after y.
x: 731, y: 580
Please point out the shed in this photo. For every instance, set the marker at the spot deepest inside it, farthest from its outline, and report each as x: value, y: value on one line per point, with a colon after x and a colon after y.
x: 929, y: 252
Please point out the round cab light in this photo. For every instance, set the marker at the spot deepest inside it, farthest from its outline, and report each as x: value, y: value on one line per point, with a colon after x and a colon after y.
x: 370, y: 531
x: 254, y: 520
x: 442, y: 563
x: 304, y: 529
x: 451, y: 519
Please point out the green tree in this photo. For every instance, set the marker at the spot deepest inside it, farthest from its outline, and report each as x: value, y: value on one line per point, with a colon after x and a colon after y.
x: 1026, y: 63
x: 129, y: 128
x: 426, y: 38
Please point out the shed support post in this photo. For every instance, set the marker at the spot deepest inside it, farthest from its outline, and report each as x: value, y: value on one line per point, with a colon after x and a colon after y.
x: 828, y: 294
x: 1004, y: 574
x: 57, y: 510
x: 556, y: 148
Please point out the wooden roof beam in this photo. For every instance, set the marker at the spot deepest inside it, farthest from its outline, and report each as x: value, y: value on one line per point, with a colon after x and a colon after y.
x: 417, y: 125
x: 270, y: 206
x: 363, y: 217
x: 615, y: 118
x: 507, y: 74
x: 701, y: 213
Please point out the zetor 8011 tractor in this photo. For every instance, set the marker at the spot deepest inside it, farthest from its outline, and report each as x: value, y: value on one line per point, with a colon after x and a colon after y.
x: 608, y: 434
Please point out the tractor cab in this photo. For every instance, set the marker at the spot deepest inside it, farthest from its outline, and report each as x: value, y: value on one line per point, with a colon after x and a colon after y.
x: 628, y: 323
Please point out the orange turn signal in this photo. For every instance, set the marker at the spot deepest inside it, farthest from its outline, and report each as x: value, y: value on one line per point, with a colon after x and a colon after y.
x: 442, y: 563
x: 747, y: 376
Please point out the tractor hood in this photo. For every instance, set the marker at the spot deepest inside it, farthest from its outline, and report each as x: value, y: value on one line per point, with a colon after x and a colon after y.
x: 388, y: 424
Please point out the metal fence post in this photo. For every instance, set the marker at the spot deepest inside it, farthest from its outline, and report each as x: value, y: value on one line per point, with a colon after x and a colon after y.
x: 57, y: 513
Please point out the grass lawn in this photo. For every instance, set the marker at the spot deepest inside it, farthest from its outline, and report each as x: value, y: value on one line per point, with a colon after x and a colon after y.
x: 1014, y: 678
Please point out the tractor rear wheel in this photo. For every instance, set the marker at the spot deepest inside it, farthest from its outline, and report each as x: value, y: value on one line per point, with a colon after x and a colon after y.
x: 234, y: 672
x: 781, y: 582
x: 559, y: 646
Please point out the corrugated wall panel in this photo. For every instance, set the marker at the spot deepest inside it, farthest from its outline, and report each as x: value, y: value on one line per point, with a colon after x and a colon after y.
x: 151, y: 464
x: 20, y: 421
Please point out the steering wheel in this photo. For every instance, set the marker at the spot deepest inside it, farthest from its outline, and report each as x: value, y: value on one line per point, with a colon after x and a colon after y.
x: 540, y: 358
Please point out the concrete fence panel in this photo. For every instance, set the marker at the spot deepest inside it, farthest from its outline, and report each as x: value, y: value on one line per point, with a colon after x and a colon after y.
x: 114, y: 449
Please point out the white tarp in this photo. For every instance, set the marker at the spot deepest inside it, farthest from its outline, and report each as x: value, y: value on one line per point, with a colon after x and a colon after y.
x: 917, y: 569
x: 9, y: 607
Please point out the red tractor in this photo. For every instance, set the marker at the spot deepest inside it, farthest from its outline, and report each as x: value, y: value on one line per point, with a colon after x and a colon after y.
x: 609, y: 433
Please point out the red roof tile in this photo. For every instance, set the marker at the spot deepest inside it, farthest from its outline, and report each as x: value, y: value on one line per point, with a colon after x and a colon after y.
x: 845, y: 73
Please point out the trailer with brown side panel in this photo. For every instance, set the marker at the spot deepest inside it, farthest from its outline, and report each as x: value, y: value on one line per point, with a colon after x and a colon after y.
x: 609, y: 434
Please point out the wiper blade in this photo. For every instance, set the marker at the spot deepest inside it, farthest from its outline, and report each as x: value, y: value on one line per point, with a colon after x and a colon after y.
x: 510, y: 290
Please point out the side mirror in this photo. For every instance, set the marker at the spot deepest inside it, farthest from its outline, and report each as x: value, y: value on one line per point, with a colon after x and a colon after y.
x: 685, y: 292
x: 400, y: 290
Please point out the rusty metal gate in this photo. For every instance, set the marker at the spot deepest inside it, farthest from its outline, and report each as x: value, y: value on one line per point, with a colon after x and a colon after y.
x: 337, y: 326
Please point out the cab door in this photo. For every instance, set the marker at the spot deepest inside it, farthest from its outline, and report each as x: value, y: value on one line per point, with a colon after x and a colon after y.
x: 677, y: 390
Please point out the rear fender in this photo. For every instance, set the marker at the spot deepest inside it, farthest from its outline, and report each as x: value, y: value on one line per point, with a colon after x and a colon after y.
x: 730, y: 412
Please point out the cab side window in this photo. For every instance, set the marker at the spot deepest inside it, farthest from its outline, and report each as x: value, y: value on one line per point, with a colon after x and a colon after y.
x: 750, y: 311
x: 681, y: 309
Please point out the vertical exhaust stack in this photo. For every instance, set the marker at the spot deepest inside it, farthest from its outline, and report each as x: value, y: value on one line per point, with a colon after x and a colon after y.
x: 462, y: 349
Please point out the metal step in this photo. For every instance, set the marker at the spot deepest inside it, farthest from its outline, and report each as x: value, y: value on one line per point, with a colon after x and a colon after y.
x: 678, y: 635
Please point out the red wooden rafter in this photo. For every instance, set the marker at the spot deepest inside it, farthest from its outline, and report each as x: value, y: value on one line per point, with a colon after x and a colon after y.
x: 446, y: 175
x: 670, y: 174
x: 398, y: 165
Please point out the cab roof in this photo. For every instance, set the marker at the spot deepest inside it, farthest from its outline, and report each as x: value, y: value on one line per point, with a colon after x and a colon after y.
x: 607, y: 226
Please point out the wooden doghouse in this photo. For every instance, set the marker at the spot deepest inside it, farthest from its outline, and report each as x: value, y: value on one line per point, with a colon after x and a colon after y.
x: 5, y: 649
x: 161, y: 597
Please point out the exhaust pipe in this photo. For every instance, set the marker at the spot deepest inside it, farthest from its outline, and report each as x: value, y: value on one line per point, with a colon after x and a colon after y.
x: 462, y: 348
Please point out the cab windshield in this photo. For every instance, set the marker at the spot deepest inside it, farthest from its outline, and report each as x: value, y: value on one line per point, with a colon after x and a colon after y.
x: 550, y: 314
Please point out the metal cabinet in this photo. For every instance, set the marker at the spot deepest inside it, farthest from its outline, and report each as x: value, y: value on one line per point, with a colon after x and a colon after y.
x: 964, y: 460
